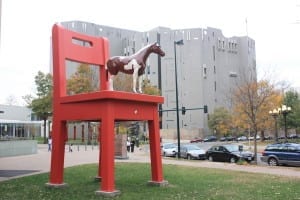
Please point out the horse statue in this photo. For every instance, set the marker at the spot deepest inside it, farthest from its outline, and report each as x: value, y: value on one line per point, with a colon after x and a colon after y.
x: 134, y: 64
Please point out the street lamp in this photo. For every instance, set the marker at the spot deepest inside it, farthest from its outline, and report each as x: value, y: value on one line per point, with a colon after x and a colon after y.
x: 284, y: 110
x: 275, y: 114
x: 179, y: 42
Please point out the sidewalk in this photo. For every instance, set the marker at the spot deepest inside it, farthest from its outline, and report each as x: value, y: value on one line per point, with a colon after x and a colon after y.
x: 18, y: 166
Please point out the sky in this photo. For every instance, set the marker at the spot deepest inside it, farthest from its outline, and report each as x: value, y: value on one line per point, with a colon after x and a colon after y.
x: 26, y: 31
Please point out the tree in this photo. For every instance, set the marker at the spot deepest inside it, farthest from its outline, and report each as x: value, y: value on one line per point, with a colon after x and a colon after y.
x: 123, y: 82
x: 220, y: 121
x: 41, y: 106
x: 253, y: 100
x: 291, y: 99
x: 82, y: 81
x: 150, y: 89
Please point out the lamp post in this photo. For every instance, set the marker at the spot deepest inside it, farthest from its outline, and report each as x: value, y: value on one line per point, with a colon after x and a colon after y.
x: 275, y: 114
x: 179, y: 42
x: 284, y: 110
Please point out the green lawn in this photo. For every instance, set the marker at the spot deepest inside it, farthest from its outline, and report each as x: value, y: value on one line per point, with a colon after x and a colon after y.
x: 184, y: 183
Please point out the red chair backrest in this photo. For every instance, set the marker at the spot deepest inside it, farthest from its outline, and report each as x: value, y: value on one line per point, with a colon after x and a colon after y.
x: 68, y: 45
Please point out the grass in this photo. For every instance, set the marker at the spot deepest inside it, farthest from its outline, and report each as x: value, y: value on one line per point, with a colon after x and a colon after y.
x: 131, y: 179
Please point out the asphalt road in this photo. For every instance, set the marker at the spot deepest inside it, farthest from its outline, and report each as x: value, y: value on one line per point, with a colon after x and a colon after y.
x: 18, y: 166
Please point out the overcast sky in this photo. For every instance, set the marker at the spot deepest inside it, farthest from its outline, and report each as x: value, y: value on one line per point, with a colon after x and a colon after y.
x: 26, y: 30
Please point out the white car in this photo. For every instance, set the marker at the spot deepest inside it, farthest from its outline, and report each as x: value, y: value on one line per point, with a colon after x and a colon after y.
x: 252, y: 137
x: 168, y: 149
x: 242, y: 138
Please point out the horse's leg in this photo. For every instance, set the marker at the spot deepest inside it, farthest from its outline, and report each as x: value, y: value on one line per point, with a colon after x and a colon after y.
x: 111, y: 82
x: 140, y: 84
x: 134, y: 78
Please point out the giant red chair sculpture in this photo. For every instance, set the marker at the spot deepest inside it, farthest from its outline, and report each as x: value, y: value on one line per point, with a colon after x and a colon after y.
x: 104, y: 106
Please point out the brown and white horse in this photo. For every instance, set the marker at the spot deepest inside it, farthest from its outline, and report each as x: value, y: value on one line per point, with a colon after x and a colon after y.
x: 134, y: 64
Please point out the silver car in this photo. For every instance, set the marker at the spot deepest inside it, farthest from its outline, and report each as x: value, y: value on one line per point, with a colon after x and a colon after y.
x: 192, y: 152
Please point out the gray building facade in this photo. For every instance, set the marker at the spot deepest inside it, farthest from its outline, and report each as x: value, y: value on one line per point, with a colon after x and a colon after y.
x: 209, y: 66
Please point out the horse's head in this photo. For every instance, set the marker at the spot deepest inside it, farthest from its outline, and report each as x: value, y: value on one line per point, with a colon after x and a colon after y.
x: 155, y: 48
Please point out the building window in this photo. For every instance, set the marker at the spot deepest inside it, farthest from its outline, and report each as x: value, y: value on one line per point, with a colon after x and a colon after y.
x: 233, y: 74
x: 204, y: 71
x: 214, y: 53
x: 84, y: 27
x: 215, y: 86
x: 188, y: 35
x: 148, y: 69
x: 215, y: 69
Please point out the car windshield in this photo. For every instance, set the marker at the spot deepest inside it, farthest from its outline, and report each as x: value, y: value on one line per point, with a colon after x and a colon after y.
x: 192, y: 147
x: 232, y: 148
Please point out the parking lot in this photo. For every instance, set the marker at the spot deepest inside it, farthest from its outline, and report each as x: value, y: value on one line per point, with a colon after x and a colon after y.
x: 206, y: 145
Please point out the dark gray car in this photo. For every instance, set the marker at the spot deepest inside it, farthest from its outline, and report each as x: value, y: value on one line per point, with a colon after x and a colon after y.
x: 228, y: 153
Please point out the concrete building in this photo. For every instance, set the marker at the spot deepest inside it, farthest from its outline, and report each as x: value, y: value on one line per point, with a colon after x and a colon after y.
x: 18, y: 121
x: 209, y: 66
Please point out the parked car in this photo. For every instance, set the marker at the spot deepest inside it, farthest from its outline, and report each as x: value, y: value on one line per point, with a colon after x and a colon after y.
x: 227, y: 138
x: 192, y: 152
x: 230, y: 138
x: 252, y: 137
x: 293, y: 136
x: 211, y: 138
x: 268, y: 137
x: 242, y: 138
x: 228, y: 153
x: 196, y: 140
x: 168, y: 149
x: 282, y: 154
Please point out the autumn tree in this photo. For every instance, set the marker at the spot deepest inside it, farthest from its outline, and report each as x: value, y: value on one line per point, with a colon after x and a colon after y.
x: 123, y: 82
x: 82, y: 81
x: 220, y: 121
x: 253, y: 100
x: 150, y: 89
x: 41, y: 105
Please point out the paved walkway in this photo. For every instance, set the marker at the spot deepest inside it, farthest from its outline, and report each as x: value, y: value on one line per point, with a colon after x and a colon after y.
x: 14, y: 167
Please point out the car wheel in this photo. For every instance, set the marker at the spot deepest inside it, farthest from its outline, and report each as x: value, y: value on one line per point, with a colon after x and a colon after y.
x: 210, y: 158
x: 272, y: 162
x: 232, y: 160
x: 188, y: 157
